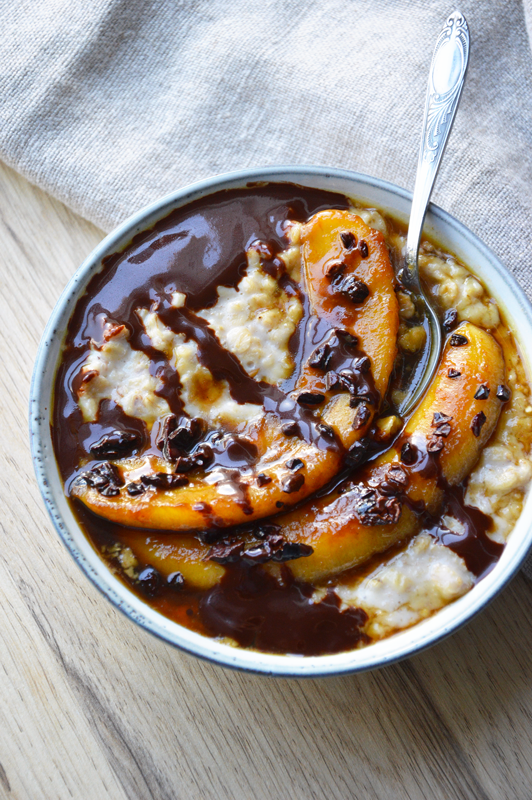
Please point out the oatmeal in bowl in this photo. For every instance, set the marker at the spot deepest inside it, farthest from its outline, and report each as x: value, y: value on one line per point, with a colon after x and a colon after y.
x: 225, y: 451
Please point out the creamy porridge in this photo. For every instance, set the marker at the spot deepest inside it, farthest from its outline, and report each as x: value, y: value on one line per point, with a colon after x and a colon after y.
x: 227, y: 423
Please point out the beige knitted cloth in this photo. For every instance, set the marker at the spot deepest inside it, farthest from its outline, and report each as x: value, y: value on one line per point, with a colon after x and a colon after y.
x: 109, y: 104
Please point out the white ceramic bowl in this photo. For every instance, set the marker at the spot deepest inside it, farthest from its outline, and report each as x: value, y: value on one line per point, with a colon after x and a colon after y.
x: 373, y: 192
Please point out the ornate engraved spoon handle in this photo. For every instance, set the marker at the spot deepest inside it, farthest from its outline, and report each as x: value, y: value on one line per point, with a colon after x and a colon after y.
x: 446, y: 81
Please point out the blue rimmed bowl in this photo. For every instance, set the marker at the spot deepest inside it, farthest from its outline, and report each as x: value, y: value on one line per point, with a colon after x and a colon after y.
x: 391, y: 199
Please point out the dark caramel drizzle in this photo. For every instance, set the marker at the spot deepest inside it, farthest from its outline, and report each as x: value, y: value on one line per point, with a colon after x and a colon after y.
x: 225, y: 366
x: 479, y: 552
x: 193, y: 251
x: 251, y: 607
x: 220, y: 362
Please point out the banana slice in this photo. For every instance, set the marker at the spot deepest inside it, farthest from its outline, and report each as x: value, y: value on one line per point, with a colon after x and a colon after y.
x: 349, y: 280
x: 293, y: 450
x: 334, y: 238
x: 170, y: 553
x: 332, y: 527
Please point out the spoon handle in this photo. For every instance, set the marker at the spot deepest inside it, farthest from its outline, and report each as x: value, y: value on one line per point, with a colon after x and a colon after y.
x: 446, y: 80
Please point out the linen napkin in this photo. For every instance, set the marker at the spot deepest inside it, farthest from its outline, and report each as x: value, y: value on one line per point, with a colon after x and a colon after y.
x: 109, y: 104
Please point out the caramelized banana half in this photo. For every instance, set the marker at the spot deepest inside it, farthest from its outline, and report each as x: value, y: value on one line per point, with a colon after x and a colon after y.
x: 345, y: 259
x: 332, y: 525
x: 349, y: 280
x: 350, y: 284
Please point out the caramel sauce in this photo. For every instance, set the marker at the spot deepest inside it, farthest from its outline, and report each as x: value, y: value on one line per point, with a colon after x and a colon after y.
x: 251, y: 607
x: 479, y: 552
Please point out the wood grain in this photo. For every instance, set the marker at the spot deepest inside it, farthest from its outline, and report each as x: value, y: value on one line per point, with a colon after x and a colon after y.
x: 91, y: 706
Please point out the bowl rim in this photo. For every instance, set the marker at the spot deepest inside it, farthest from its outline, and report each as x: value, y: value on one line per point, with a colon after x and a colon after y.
x: 97, y: 571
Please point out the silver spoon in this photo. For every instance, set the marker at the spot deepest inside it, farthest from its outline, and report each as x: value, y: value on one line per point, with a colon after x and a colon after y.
x: 446, y: 81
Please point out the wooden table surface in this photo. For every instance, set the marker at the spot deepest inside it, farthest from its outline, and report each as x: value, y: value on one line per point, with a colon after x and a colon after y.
x: 91, y: 706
